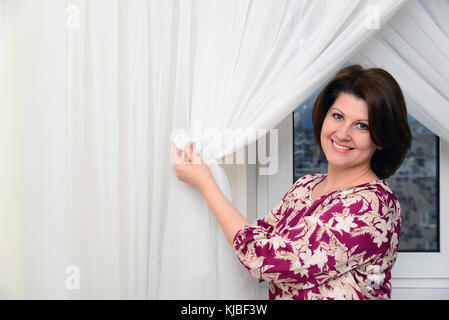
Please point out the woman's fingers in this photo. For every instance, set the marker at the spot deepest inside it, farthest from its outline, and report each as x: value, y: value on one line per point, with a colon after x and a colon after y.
x: 188, y: 150
x: 187, y: 155
x: 175, y: 156
x: 193, y: 156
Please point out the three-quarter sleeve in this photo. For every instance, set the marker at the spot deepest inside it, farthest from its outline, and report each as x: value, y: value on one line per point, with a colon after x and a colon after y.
x: 338, y: 237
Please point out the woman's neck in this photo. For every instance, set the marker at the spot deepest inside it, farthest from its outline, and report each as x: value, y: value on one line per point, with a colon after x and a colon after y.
x: 338, y: 178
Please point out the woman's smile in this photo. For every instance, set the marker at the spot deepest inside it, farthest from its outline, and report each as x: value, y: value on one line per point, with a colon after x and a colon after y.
x: 340, y: 148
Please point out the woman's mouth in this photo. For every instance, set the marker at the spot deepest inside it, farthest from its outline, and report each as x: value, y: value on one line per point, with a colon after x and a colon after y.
x: 340, y: 148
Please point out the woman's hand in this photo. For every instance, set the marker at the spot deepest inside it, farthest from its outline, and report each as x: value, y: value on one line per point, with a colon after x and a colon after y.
x: 196, y: 173
x: 190, y: 168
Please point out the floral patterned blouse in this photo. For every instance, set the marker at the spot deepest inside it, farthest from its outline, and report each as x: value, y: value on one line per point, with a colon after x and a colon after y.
x: 340, y: 246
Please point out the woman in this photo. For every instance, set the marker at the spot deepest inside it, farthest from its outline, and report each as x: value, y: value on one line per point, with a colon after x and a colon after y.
x: 334, y: 235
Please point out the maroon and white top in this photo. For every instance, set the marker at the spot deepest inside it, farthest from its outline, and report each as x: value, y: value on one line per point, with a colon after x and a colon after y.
x: 340, y: 246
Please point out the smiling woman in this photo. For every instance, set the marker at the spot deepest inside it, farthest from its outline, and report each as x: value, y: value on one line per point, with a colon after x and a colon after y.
x: 334, y: 235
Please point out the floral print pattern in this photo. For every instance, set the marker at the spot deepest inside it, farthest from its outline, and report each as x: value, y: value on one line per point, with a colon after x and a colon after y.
x: 343, y: 245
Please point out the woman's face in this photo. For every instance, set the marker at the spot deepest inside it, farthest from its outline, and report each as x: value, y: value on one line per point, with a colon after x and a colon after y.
x: 345, y: 136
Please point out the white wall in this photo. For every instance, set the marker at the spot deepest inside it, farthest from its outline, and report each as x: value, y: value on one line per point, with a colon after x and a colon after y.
x: 11, y: 234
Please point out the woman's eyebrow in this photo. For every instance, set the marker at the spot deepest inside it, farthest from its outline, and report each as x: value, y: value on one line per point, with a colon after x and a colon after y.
x: 344, y: 114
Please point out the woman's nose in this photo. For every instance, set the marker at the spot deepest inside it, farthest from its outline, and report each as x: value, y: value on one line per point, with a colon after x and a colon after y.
x: 343, y: 133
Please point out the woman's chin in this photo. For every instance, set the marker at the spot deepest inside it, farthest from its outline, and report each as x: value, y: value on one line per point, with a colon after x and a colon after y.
x: 341, y: 163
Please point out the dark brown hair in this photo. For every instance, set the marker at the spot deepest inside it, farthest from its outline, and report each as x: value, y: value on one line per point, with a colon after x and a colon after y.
x: 387, y: 113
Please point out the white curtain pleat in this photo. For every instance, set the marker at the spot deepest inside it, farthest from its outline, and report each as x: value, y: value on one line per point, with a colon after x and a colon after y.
x: 44, y: 148
x: 162, y: 68
x: 100, y: 225
x: 78, y: 242
x: 135, y: 145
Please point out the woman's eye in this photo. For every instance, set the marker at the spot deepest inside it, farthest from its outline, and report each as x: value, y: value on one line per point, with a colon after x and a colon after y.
x: 337, y: 116
x: 363, y: 126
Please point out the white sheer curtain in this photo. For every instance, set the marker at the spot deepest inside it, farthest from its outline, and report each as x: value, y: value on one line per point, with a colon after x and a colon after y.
x: 101, y: 85
x: 83, y: 139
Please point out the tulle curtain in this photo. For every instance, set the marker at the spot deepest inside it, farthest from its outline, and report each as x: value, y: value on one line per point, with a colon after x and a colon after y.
x: 99, y: 88
x: 79, y: 95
